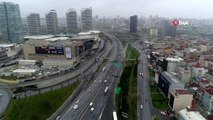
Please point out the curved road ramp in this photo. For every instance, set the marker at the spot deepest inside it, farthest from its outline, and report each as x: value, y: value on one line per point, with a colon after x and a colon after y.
x: 4, y: 100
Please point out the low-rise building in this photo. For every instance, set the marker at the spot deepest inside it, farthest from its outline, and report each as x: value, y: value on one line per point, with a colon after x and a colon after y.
x: 198, y: 70
x: 169, y: 82
x: 60, y: 51
x: 24, y: 72
x: 179, y: 99
x: 187, y: 114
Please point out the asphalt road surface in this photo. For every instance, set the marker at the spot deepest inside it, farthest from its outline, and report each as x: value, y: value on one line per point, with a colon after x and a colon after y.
x: 144, y: 102
x: 4, y: 100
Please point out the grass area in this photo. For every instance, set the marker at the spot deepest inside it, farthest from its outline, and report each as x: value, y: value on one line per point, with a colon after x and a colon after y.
x: 39, y: 107
x: 158, y: 99
x: 151, y: 73
x: 126, y: 101
x: 13, y: 78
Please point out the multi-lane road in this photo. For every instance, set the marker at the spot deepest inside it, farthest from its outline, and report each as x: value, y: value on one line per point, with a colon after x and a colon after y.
x: 95, y: 92
x: 144, y: 102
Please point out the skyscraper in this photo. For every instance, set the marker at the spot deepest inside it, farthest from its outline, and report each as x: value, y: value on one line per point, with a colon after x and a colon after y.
x: 10, y: 22
x: 133, y: 23
x: 71, y: 16
x: 52, y: 22
x: 34, y: 24
x: 86, y: 18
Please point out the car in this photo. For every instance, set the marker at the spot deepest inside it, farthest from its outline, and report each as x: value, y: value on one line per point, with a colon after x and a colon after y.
x: 91, y: 104
x: 1, y: 95
x: 77, y: 101
x: 58, y: 117
x: 141, y: 106
x: 141, y: 74
x: 75, y: 107
x: 105, y: 81
x: 92, y: 109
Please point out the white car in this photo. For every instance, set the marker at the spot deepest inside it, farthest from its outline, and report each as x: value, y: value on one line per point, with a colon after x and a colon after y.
x: 91, y: 104
x: 92, y: 109
x: 75, y: 107
x: 141, y: 106
x: 1, y: 95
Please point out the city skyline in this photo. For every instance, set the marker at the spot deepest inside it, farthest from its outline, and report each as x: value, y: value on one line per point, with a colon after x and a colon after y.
x: 124, y: 8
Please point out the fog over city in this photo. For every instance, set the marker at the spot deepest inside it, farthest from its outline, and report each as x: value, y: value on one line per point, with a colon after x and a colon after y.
x: 110, y: 8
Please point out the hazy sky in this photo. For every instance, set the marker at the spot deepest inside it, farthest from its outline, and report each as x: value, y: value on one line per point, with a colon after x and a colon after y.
x: 112, y: 8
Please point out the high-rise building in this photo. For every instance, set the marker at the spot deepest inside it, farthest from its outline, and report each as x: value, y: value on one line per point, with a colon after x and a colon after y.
x: 133, y: 23
x: 71, y: 16
x: 34, y: 24
x: 52, y: 22
x: 10, y: 22
x: 86, y: 18
x: 167, y: 29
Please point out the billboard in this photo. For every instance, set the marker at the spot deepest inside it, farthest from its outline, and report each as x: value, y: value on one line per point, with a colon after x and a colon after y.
x: 68, y: 52
x: 49, y: 50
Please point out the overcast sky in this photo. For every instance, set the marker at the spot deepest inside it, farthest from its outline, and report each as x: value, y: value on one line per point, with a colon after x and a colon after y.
x: 111, y: 8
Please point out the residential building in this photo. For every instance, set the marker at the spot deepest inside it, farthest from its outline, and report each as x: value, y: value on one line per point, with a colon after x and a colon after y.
x: 133, y: 23
x: 86, y: 18
x: 52, y: 22
x: 10, y: 22
x: 205, y: 83
x: 185, y: 73
x: 71, y: 17
x: 179, y: 99
x: 34, y: 24
x: 168, y: 82
x: 171, y: 64
x: 203, y: 48
x: 187, y: 114
x: 198, y: 71
x: 208, y: 99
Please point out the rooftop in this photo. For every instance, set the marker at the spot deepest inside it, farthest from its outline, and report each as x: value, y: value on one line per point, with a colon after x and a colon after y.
x: 171, y: 78
x: 89, y: 32
x: 175, y: 59
x: 190, y: 115
x: 57, y: 39
x: 24, y: 70
x: 39, y: 37
x: 198, y: 65
x: 27, y: 60
x: 6, y: 45
x: 205, y: 81
x: 182, y: 91
x: 209, y: 90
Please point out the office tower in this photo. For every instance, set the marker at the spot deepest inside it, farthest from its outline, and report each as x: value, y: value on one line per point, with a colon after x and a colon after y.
x: 52, y: 22
x: 133, y: 23
x: 34, y: 24
x: 167, y: 29
x: 86, y: 18
x: 10, y: 22
x: 71, y: 16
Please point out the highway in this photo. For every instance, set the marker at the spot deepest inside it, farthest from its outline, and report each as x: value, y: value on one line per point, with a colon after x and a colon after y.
x: 100, y: 101
x: 4, y: 100
x: 94, y: 93
x: 144, y: 113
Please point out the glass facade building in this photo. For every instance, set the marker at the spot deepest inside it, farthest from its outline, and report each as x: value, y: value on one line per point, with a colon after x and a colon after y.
x: 10, y: 22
